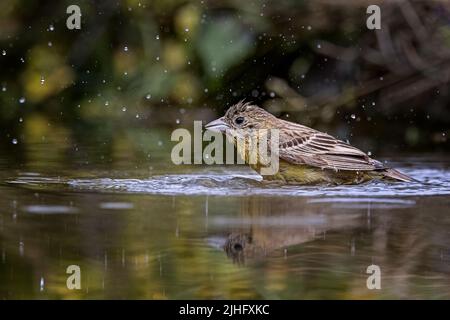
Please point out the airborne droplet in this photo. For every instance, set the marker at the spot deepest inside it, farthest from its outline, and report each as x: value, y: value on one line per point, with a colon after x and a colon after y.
x: 41, y: 284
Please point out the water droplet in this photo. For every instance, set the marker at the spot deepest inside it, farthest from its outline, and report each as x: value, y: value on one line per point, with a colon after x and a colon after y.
x: 21, y: 248
x: 272, y: 94
x: 41, y: 284
x: 157, y: 37
x: 14, y: 141
x: 106, y: 103
x: 353, y: 116
x: 125, y: 48
x: 4, y: 53
x: 148, y: 96
x: 369, y: 153
x: 22, y: 100
x: 157, y: 58
x: 42, y: 80
x: 177, y: 121
x: 51, y: 28
x: 124, y: 109
x: 50, y: 44
x: 137, y: 116
x: 353, y: 247
x: 319, y: 46
x: 186, y: 30
x: 20, y: 119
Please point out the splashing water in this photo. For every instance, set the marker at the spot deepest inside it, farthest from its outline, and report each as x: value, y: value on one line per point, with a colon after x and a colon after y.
x: 430, y: 182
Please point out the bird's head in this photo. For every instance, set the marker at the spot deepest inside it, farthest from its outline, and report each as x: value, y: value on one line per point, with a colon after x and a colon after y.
x: 243, y: 116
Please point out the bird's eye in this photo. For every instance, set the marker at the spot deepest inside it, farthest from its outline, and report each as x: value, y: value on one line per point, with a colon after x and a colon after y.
x: 239, y: 120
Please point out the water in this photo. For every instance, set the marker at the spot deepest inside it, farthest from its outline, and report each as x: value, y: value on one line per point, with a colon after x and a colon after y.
x: 229, y: 182
x: 148, y: 230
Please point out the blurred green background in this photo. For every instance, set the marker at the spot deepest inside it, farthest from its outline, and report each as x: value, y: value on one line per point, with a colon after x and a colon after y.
x: 140, y: 65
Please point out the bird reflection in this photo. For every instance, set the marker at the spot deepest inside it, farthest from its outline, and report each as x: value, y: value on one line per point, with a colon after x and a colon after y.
x: 235, y: 245
x: 265, y: 226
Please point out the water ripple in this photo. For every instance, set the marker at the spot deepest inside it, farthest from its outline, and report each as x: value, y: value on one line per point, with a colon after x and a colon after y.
x: 432, y: 182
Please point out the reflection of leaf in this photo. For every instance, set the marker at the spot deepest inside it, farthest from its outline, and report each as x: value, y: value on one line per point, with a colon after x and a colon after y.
x: 223, y: 43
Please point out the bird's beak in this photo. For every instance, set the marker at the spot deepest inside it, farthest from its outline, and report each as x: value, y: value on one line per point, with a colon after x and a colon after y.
x: 217, y: 125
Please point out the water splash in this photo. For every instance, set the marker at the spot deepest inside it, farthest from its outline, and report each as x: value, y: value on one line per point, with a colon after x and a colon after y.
x: 432, y: 182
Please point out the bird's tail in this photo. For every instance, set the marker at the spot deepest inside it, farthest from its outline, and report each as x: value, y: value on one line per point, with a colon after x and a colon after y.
x: 397, y: 175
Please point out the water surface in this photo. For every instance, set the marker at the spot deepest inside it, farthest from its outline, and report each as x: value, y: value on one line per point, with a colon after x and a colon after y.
x: 147, y: 230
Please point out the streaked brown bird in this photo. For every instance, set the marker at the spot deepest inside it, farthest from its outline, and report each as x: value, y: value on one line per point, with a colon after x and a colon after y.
x: 306, y: 156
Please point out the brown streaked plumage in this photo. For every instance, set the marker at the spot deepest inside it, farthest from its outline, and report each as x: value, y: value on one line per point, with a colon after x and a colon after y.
x: 306, y: 155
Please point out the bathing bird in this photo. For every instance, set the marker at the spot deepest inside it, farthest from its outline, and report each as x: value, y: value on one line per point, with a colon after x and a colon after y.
x: 305, y: 155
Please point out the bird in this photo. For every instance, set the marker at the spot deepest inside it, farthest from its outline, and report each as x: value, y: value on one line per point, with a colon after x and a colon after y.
x: 305, y: 155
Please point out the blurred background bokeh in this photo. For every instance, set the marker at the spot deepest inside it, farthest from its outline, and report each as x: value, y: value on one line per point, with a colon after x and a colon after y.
x: 141, y: 64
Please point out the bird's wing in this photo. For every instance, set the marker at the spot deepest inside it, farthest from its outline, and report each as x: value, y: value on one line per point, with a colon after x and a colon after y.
x: 302, y: 145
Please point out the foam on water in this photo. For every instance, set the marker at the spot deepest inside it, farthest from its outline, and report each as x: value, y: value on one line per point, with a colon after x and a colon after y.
x: 432, y: 182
